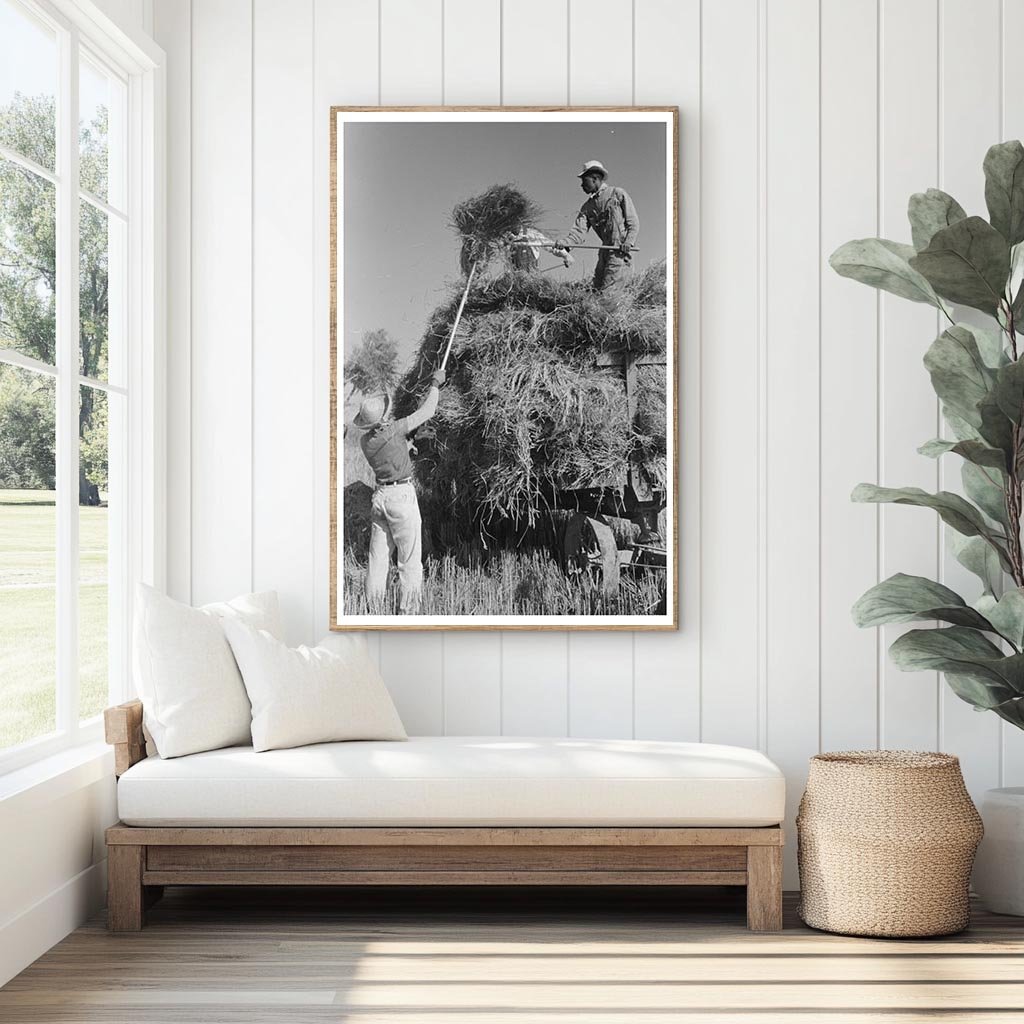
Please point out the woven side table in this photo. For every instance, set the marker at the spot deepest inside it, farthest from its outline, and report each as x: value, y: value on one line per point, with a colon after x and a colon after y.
x: 886, y: 840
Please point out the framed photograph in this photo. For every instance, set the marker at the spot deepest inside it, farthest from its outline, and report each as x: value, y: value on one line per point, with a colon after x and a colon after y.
x: 504, y: 319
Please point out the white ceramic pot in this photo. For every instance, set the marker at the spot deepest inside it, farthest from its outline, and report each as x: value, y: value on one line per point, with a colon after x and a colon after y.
x: 999, y: 866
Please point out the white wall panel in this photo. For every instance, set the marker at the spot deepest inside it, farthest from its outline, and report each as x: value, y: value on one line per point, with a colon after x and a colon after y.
x: 666, y: 666
x: 283, y: 340
x: 849, y: 373
x: 173, y: 27
x: 600, y: 685
x: 535, y: 53
x: 410, y: 51
x: 221, y: 371
x: 414, y: 671
x: 731, y: 499
x: 55, y: 875
x: 472, y: 684
x: 792, y: 416
x: 802, y: 126
x: 472, y: 52
x: 346, y: 56
x: 909, y: 411
x: 600, y: 52
x: 535, y: 684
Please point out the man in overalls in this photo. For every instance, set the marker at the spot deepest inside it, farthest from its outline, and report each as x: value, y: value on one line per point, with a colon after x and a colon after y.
x: 395, y: 523
x: 612, y: 215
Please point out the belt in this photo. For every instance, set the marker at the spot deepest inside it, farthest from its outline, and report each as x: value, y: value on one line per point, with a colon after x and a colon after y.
x: 394, y: 483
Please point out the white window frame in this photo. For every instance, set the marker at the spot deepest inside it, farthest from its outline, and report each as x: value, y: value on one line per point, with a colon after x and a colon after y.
x: 141, y: 64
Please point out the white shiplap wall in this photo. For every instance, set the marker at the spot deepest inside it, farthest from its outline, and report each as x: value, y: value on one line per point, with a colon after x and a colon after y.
x: 803, y: 123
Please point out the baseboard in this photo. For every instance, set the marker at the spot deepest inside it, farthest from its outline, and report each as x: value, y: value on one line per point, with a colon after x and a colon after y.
x: 28, y: 936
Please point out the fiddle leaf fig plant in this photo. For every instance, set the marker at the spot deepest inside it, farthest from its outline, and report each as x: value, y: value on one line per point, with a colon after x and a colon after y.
x: 978, y: 374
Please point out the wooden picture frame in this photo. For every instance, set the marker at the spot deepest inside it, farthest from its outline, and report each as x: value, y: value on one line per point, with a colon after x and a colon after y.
x: 590, y: 557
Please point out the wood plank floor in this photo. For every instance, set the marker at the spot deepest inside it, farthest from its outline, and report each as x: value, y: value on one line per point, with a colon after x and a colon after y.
x: 219, y: 956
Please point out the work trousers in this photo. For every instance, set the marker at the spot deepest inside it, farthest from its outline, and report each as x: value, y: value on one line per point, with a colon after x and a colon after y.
x: 612, y: 271
x: 395, y: 525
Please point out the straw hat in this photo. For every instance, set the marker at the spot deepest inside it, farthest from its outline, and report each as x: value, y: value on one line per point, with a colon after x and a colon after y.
x: 593, y: 165
x: 371, y: 411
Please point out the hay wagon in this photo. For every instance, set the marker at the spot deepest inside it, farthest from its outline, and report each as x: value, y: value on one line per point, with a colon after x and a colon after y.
x: 587, y: 543
x: 505, y: 457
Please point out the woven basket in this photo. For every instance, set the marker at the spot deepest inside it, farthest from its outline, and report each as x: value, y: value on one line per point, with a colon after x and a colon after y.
x: 886, y: 840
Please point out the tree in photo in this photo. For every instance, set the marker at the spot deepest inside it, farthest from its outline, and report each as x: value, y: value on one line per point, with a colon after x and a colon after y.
x: 372, y: 367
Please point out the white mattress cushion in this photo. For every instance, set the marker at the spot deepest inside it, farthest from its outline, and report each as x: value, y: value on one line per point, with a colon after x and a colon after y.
x: 458, y: 780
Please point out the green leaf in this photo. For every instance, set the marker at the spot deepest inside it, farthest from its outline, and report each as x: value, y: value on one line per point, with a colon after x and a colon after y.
x: 952, y: 509
x: 967, y: 263
x: 973, y: 451
x: 883, y: 264
x: 985, y: 487
x: 932, y: 211
x: 996, y: 428
x: 1006, y: 614
x: 1011, y: 711
x: 1017, y: 309
x: 990, y: 345
x: 963, y: 652
x: 943, y: 650
x: 976, y: 555
x: 958, y: 372
x: 980, y: 692
x: 1009, y: 390
x: 1004, y: 189
x: 1015, y: 285
x: 903, y: 598
x: 962, y: 430
x: 1016, y: 278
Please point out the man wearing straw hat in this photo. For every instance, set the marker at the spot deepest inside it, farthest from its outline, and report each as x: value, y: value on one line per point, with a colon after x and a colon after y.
x: 395, y: 524
x: 612, y: 215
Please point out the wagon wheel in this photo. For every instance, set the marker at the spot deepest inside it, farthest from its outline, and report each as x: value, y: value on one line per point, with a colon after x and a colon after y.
x: 589, y: 545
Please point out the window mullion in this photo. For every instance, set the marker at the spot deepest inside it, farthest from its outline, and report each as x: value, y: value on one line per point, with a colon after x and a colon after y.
x: 67, y: 386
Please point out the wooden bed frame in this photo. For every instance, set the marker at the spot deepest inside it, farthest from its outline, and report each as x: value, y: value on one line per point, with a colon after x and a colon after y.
x: 142, y: 860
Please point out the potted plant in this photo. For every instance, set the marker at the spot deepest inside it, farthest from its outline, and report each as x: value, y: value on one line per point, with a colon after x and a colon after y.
x: 978, y: 374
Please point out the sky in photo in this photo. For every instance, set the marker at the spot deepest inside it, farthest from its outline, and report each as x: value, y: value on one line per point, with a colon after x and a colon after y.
x: 400, y: 182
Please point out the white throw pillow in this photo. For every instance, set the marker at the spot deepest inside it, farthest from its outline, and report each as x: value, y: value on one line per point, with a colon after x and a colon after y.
x: 348, y: 645
x: 192, y: 693
x: 309, y: 694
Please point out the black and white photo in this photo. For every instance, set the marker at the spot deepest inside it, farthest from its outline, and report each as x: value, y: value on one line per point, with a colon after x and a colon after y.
x: 504, y: 360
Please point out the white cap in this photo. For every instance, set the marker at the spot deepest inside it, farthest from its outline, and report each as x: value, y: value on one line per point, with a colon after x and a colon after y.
x: 593, y: 165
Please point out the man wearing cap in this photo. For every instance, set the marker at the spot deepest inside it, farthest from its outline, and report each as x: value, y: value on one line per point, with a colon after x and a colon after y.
x: 395, y: 523
x: 612, y: 215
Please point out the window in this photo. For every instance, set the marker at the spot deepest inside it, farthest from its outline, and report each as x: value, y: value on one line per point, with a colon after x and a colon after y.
x: 76, y: 352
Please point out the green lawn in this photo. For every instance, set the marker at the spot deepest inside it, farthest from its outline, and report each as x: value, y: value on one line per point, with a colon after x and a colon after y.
x: 28, y: 524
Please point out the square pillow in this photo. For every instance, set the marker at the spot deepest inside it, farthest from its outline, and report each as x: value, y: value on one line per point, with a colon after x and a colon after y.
x: 309, y: 694
x: 192, y: 693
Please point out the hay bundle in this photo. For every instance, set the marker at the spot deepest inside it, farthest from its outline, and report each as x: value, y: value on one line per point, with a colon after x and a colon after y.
x: 527, y: 412
x: 485, y: 220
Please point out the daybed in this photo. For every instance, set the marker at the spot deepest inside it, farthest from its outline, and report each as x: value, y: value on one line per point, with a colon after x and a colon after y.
x: 444, y: 811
